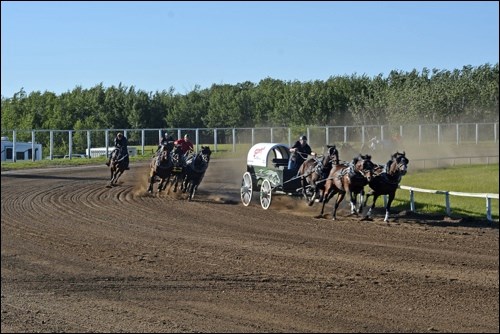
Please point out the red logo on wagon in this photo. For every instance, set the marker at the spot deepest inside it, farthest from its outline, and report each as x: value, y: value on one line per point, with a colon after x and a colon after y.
x: 257, y: 151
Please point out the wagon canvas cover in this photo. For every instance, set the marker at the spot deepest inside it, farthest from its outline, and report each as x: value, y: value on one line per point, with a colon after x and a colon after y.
x: 261, y: 154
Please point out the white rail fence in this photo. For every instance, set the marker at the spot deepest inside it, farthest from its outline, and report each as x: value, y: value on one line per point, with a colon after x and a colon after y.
x: 447, y: 194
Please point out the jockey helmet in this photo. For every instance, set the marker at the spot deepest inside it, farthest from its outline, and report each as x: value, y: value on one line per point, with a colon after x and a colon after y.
x: 119, y: 135
x: 302, y: 138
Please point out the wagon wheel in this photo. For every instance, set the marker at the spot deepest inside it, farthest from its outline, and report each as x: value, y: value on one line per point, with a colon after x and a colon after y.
x: 246, y: 189
x: 265, y: 194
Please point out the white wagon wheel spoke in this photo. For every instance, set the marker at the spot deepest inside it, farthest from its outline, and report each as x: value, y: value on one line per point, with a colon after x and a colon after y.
x: 246, y: 189
x: 265, y: 194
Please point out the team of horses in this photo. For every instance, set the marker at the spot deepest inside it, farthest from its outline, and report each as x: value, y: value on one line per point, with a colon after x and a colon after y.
x: 169, y: 166
x: 323, y: 177
x: 179, y: 170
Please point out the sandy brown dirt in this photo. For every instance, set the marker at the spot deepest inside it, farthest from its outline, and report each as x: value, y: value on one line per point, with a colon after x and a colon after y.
x: 79, y: 257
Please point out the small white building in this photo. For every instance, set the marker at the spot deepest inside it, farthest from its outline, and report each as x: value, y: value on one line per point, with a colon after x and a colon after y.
x: 101, y: 151
x: 23, y: 150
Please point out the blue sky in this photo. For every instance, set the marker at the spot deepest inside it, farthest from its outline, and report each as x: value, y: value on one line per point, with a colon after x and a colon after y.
x: 153, y: 46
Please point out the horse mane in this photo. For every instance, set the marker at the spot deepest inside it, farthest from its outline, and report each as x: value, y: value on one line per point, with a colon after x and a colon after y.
x: 163, y: 154
x: 198, y: 159
x: 332, y: 155
x: 392, y: 165
x: 198, y: 163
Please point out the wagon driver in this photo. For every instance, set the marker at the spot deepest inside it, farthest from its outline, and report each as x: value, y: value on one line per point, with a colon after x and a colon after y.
x: 300, y: 152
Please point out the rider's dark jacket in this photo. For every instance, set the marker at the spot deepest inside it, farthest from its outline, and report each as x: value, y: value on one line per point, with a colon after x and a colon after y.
x: 301, y: 153
x: 121, y: 143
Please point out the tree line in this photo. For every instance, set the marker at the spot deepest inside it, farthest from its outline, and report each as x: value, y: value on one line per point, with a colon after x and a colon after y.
x: 429, y: 96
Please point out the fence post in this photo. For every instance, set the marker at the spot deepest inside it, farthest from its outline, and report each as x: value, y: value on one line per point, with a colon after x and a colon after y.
x: 439, y: 134
x: 70, y: 139
x: 477, y: 133
x: 412, y: 200
x: 14, y: 139
x: 488, y: 209
x: 88, y: 143
x: 215, y: 140
x: 33, y: 153
x: 447, y: 200
x: 51, y: 144
x: 234, y: 140
x: 143, y: 134
x: 106, y: 138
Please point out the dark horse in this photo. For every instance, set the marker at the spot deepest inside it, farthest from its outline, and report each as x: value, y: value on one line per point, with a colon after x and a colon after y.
x: 118, y: 164
x: 350, y: 178
x: 314, y: 171
x: 195, y: 171
x: 179, y: 168
x: 386, y: 181
x: 160, y: 168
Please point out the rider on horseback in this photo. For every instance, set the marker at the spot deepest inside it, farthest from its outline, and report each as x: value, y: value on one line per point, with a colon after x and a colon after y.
x: 185, y: 145
x: 167, y: 143
x: 121, y: 144
x: 167, y: 140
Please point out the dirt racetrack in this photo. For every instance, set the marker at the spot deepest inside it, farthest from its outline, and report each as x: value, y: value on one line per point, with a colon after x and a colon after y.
x: 80, y: 257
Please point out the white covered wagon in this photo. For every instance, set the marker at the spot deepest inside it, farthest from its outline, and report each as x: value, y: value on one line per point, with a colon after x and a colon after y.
x: 267, y: 172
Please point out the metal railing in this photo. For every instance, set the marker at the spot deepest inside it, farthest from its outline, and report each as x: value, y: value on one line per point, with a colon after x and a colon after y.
x: 67, y: 142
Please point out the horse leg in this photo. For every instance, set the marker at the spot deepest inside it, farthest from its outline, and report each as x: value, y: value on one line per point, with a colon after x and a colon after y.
x: 184, y: 184
x: 328, y: 194
x: 112, y: 178
x: 160, y: 184
x: 304, y: 184
x: 353, y: 202
x: 340, y: 198
x: 313, y: 197
x: 321, y: 195
x: 388, y: 206
x: 361, y: 195
x: 192, y: 189
x: 173, y: 183
x: 163, y: 184
x: 375, y: 196
x: 151, y: 181
x: 118, y: 176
